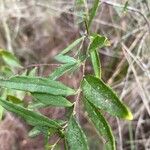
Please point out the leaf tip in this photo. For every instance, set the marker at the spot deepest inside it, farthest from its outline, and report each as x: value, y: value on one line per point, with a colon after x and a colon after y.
x: 129, y: 116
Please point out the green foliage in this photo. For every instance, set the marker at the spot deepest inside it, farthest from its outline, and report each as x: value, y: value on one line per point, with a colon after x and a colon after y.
x: 96, y: 63
x: 1, y: 112
x: 100, y: 124
x: 98, y: 41
x: 46, y: 91
x: 65, y: 59
x: 102, y: 96
x: 62, y: 70
x: 53, y: 100
x: 8, y: 63
x: 14, y: 99
x: 125, y: 6
x: 31, y: 117
x: 72, y: 45
x: 9, y: 58
x: 34, y: 132
x: 36, y: 84
x: 75, y: 137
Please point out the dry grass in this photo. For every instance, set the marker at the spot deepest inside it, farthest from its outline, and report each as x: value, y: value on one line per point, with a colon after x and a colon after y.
x: 36, y: 30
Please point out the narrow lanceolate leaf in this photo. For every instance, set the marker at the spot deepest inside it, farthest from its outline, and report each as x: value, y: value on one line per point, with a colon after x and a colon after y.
x: 9, y: 58
x: 61, y: 70
x: 31, y: 117
x: 96, y: 63
x: 75, y: 137
x: 72, y: 45
x: 65, y: 59
x: 93, y: 11
x: 36, y: 84
x: 97, y: 41
x: 103, y: 97
x: 53, y: 100
x: 101, y: 125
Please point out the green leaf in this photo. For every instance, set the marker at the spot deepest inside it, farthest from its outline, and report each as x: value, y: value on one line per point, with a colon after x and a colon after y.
x: 14, y: 99
x: 93, y: 11
x: 103, y: 97
x: 34, y: 132
x: 101, y: 125
x: 1, y: 112
x: 96, y: 63
x: 52, y: 100
x: 24, y: 73
x: 5, y: 71
x: 98, y: 41
x: 9, y: 58
x: 33, y: 72
x: 44, y: 130
x: 65, y: 59
x: 79, y: 2
x: 125, y: 8
x: 31, y: 117
x: 72, y: 45
x: 36, y: 84
x: 36, y: 105
x: 61, y: 70
x: 75, y: 137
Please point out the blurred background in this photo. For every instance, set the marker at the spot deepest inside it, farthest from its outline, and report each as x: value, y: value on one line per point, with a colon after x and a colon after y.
x: 36, y: 30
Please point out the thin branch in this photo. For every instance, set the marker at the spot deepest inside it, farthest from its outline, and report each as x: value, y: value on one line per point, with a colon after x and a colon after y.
x: 128, y: 8
x: 6, y: 29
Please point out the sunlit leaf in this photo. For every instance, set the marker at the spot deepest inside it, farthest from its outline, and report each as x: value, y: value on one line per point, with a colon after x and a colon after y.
x: 101, y: 125
x: 103, y: 97
x: 53, y: 100
x: 36, y: 84
x: 31, y: 117
x: 75, y: 136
